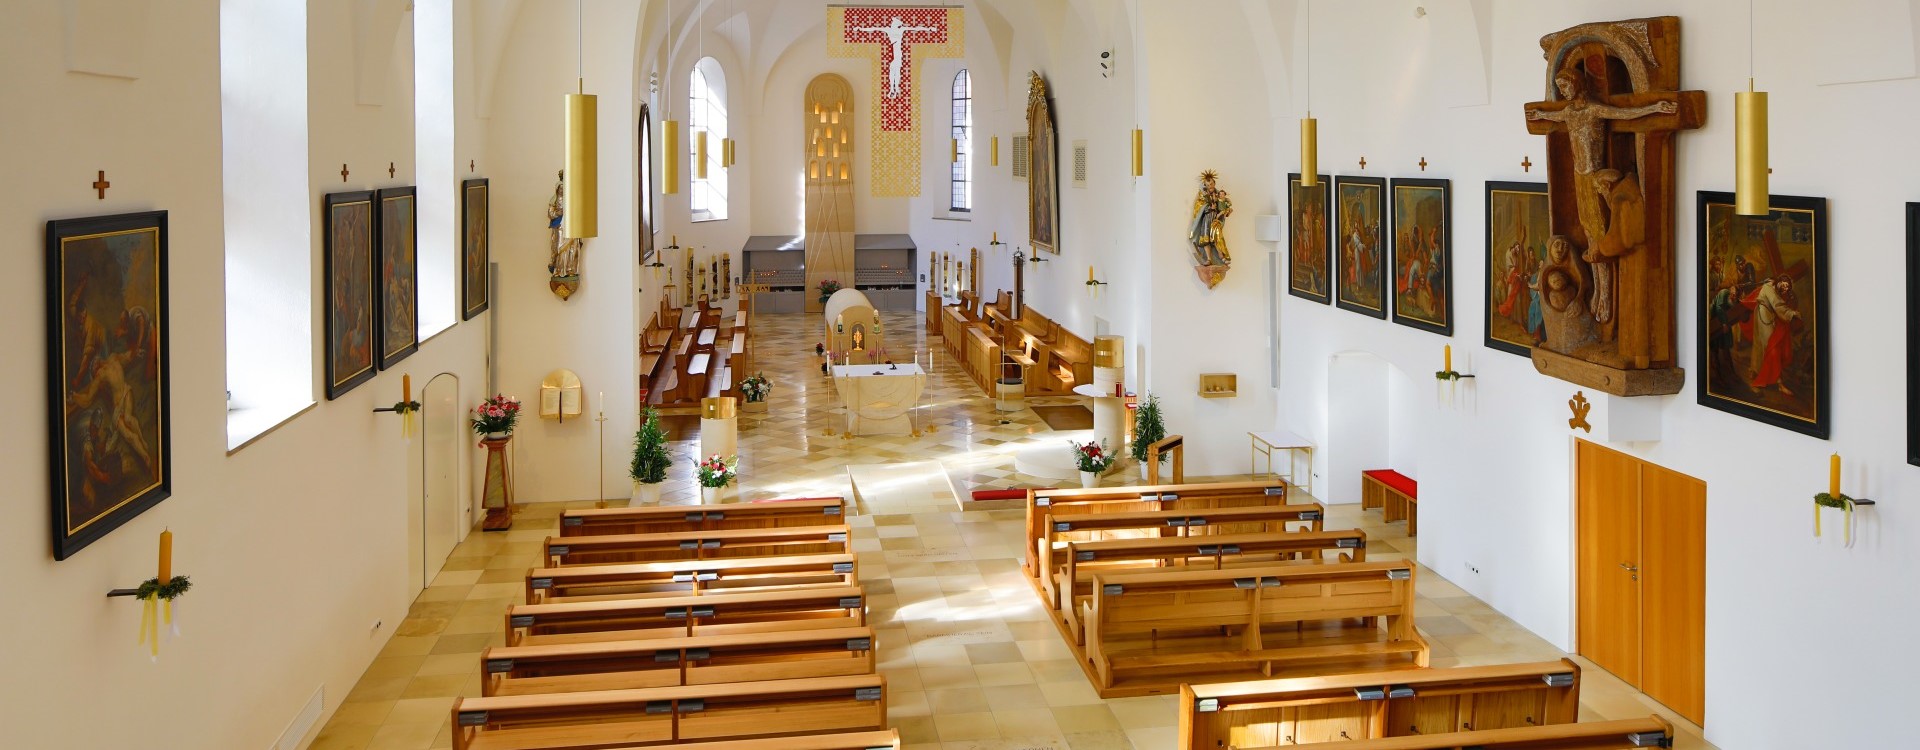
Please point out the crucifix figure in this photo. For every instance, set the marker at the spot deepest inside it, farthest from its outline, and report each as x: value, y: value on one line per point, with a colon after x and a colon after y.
x: 1613, y: 108
x: 896, y: 32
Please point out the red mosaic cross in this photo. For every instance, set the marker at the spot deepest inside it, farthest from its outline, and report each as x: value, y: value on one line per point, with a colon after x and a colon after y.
x: 897, y: 30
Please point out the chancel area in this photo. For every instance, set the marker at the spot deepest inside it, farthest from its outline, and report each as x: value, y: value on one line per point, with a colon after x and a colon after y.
x: 994, y: 375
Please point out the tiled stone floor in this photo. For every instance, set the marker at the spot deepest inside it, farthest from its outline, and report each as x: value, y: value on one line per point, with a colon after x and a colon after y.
x: 971, y: 659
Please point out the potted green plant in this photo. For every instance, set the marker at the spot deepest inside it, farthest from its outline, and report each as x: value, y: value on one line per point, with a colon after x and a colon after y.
x: 650, y: 460
x: 1148, y: 428
x: 1093, y: 459
x: 755, y: 388
x: 715, y: 473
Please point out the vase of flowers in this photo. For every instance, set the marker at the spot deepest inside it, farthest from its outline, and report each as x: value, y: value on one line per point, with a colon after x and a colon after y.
x: 755, y: 388
x: 1093, y: 459
x: 1148, y: 428
x: 827, y: 288
x: 715, y: 473
x: 494, y: 418
x: 650, y: 460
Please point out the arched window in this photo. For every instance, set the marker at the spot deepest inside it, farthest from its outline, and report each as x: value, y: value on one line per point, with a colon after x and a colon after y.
x: 707, y: 111
x: 960, y: 175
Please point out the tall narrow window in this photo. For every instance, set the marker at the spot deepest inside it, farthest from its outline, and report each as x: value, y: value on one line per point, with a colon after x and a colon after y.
x: 960, y: 174
x: 707, y: 112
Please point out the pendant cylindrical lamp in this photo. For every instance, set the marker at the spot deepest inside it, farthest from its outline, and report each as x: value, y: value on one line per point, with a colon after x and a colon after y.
x: 994, y: 151
x: 1139, y: 152
x: 670, y: 151
x: 726, y: 153
x: 1309, y: 151
x: 1750, y: 153
x: 700, y: 155
x: 582, y: 217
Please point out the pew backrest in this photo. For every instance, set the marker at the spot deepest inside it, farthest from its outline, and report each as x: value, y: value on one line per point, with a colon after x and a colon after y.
x: 579, y: 582
x: 678, y: 616
x: 666, y: 662
x: 1626, y: 734
x: 661, y: 716
x: 696, y: 545
x: 644, y: 520
x: 1069, y: 566
x: 1045, y: 502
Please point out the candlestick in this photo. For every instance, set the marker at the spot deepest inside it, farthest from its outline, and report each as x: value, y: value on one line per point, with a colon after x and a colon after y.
x: 603, y: 402
x: 1449, y: 355
x: 996, y: 238
x: 1833, y: 475
x: 166, y: 556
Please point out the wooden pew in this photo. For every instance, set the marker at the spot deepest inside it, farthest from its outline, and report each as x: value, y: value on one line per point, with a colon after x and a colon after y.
x: 887, y: 740
x: 1380, y: 704
x: 667, y: 662
x: 1626, y: 734
x: 1041, y: 503
x: 1074, y: 567
x: 648, y: 717
x: 811, y: 511
x: 681, y: 616
x: 1161, y: 524
x: 685, y: 577
x: 697, y: 545
x: 1147, y: 632
x: 1396, y: 495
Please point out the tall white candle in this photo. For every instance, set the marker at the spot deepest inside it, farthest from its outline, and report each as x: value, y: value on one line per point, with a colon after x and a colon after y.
x: 603, y: 402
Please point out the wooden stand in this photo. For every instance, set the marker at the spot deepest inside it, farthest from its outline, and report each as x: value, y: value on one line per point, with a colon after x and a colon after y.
x: 497, y: 495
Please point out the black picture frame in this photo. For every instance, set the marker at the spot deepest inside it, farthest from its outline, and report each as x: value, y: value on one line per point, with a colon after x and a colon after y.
x: 475, y: 247
x: 350, y: 308
x: 1373, y: 244
x: 648, y: 229
x: 109, y: 427
x: 1438, y: 248
x: 397, y: 231
x: 1535, y: 237
x: 1719, y: 330
x: 1297, y: 272
x: 1913, y: 333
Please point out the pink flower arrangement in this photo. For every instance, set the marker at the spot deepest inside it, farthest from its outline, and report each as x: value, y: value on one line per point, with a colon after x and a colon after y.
x: 715, y: 471
x: 1091, y: 456
x: 496, y: 414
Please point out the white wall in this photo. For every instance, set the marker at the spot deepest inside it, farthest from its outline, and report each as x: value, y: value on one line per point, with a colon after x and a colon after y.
x: 1358, y: 430
x: 295, y: 543
x: 1789, y: 619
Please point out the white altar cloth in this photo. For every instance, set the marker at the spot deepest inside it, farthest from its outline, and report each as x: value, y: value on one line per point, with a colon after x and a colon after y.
x: 879, y: 399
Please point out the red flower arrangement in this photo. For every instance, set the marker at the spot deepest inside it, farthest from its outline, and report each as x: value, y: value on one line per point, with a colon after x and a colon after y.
x: 1091, y: 456
x: 496, y: 414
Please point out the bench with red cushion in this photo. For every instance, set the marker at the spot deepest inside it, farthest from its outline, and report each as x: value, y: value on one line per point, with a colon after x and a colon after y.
x: 1396, y: 495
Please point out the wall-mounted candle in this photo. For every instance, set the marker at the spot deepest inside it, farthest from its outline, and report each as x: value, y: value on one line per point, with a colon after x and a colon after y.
x: 1449, y: 356
x: 406, y: 388
x: 1089, y: 273
x: 1833, y: 475
x: 166, y: 556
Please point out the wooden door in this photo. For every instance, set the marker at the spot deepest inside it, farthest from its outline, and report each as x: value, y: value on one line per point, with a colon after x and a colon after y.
x: 1673, y: 594
x: 1609, y: 558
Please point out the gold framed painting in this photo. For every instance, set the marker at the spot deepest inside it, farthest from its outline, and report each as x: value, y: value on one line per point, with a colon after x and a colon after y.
x: 350, y: 310
x: 1762, y: 339
x: 110, y: 440
x: 1518, y: 215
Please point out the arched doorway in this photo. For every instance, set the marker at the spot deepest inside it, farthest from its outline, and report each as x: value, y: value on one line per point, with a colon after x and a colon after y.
x: 441, y: 519
x: 1372, y: 423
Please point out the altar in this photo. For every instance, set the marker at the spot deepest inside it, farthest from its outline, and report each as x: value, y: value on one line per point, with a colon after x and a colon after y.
x: 879, y: 399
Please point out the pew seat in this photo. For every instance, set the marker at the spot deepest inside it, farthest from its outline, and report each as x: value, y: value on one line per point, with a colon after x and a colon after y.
x: 681, y: 616
x: 696, y: 545
x: 1146, y: 632
x: 1045, y: 502
x: 668, y: 662
x: 886, y: 740
x: 651, y: 717
x: 811, y: 511
x: 1378, y: 704
x: 1163, y: 524
x: 578, y: 583
x: 1395, y: 494
x: 1626, y: 734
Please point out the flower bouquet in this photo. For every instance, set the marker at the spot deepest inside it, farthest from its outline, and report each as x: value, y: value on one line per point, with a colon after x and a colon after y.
x: 495, y: 417
x: 714, y: 474
x: 827, y: 288
x: 1092, y: 459
x: 755, y: 388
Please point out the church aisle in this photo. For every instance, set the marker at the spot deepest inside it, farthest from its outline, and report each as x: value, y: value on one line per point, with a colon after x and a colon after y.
x: 971, y: 659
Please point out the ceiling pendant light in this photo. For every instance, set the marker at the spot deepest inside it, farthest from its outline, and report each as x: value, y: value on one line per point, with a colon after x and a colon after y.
x: 1750, y: 169
x: 1309, y: 127
x: 670, y: 128
x: 700, y: 135
x: 1139, y: 136
x: 581, y: 219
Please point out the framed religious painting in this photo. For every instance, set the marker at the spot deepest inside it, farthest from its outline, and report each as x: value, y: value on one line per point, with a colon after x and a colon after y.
x: 399, y: 275
x: 1763, y: 341
x: 1517, y: 230
x: 1043, y: 169
x: 473, y: 248
x: 1913, y: 333
x: 109, y: 436
x: 350, y: 312
x: 1360, y: 221
x: 1309, y: 255
x: 647, y: 227
x: 1423, y: 254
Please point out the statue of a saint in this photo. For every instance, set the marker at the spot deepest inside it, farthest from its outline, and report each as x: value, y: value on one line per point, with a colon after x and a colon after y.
x: 563, y: 260
x: 1208, y: 231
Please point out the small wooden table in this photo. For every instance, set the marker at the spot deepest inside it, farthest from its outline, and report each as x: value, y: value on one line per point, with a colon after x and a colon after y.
x: 1265, y: 443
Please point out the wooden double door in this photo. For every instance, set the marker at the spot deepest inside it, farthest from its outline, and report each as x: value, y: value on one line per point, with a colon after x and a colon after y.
x: 1642, y: 575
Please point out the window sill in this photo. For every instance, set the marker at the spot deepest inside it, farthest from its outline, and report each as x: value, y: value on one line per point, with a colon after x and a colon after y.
x: 247, y: 426
x: 705, y: 219
x: 954, y: 216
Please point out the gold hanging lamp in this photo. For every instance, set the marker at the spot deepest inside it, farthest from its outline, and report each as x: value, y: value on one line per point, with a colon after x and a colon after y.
x: 581, y: 219
x: 1750, y: 197
x: 1139, y: 136
x: 670, y: 128
x: 700, y: 154
x: 1309, y: 127
x: 994, y: 151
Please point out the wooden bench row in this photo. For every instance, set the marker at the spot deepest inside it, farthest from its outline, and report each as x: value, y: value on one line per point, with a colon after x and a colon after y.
x: 580, y: 583
x: 1626, y: 734
x: 668, y: 662
x: 812, y: 511
x: 678, y: 616
x: 1041, y: 504
x: 696, y: 545
x: 647, y: 717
